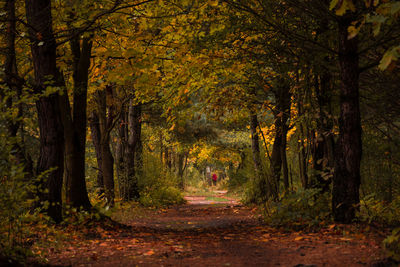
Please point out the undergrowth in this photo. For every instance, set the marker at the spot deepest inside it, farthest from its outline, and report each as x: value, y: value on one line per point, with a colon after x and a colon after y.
x: 387, y: 214
x: 300, y: 209
x: 158, y: 186
x: 14, y: 204
x: 374, y: 210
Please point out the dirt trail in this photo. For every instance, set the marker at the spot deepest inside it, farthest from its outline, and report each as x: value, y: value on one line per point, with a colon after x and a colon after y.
x: 215, y: 233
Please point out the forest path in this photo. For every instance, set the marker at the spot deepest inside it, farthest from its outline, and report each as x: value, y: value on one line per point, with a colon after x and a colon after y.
x: 214, y: 231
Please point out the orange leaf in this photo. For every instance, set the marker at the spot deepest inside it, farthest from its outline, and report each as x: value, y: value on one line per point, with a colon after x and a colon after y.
x: 331, y: 226
x: 149, y: 253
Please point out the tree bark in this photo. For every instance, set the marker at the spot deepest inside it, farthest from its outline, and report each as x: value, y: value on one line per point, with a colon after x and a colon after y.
x: 107, y: 159
x: 120, y: 152
x: 266, y: 190
x: 255, y: 144
x: 167, y: 156
x: 181, y: 158
x: 302, y: 158
x: 285, y: 169
x: 43, y: 47
x: 322, y: 139
x: 134, y: 125
x: 75, y: 126
x: 138, y: 140
x: 160, y: 136
x: 96, y: 139
x: 346, y: 179
x: 14, y: 89
x: 278, y: 156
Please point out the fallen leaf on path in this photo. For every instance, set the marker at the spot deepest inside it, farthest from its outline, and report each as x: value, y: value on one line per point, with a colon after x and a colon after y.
x: 331, y: 226
x: 149, y: 253
x: 299, y: 238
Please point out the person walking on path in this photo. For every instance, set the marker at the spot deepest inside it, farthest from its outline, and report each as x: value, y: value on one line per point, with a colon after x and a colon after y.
x: 214, y: 179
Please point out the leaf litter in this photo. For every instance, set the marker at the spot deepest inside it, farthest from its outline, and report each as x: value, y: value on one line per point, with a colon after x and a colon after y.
x: 215, y: 235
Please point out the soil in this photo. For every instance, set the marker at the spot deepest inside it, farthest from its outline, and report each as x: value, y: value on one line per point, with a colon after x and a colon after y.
x: 209, y: 232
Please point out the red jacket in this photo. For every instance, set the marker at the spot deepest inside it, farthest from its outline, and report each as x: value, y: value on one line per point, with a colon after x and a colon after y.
x: 214, y: 177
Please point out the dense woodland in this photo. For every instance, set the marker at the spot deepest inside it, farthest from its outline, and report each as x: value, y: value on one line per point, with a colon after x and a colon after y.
x: 294, y: 104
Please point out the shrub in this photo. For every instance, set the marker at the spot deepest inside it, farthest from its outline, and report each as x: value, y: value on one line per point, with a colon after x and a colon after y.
x: 161, y: 196
x: 306, y: 207
x: 158, y: 187
x: 378, y: 211
x: 195, y: 181
x: 14, y: 206
x: 392, y: 244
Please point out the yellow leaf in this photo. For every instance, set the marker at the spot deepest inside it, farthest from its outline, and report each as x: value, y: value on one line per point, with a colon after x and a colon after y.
x: 333, y: 4
x: 353, y: 31
x: 346, y: 5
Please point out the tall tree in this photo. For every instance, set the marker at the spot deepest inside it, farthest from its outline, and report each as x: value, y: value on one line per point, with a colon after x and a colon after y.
x: 131, y: 156
x: 346, y: 179
x: 105, y: 113
x: 75, y: 121
x: 47, y: 76
x: 282, y: 115
x: 94, y: 125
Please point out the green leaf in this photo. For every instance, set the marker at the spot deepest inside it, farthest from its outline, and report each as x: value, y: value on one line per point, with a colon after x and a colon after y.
x: 394, y: 8
x: 390, y: 56
x: 333, y: 4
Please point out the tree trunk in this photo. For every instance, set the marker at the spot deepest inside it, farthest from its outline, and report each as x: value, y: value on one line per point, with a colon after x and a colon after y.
x: 134, y: 116
x: 107, y: 159
x: 161, y: 148
x: 138, y: 140
x: 120, y: 153
x: 322, y: 139
x: 346, y: 179
x: 181, y: 169
x: 43, y: 47
x: 96, y: 139
x: 285, y: 169
x: 242, y: 155
x: 302, y: 159
x: 278, y: 156
x: 285, y: 102
x: 75, y: 126
x: 264, y: 186
x: 167, y: 155
x: 14, y: 90
x: 255, y: 144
